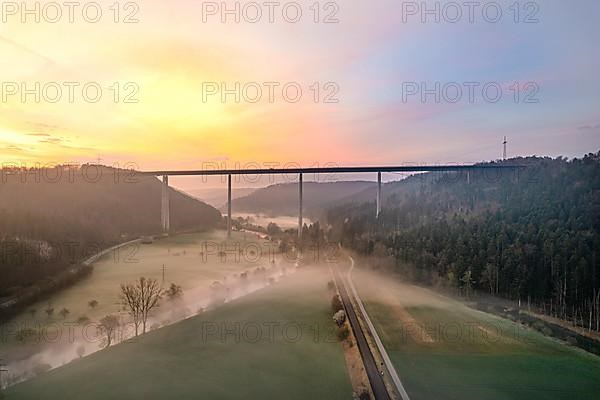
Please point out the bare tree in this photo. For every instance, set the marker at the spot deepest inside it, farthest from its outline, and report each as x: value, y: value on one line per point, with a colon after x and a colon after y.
x: 108, y: 325
x: 131, y: 303
x: 140, y: 298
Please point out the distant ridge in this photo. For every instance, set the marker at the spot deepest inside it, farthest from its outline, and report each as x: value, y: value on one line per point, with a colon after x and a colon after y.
x: 217, y: 197
x: 282, y: 199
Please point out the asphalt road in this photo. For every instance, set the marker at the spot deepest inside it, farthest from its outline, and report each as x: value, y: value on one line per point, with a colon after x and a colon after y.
x: 373, y: 371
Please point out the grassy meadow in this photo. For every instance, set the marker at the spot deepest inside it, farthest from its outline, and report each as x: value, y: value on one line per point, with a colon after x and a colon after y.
x: 196, y: 358
x: 190, y: 260
x: 444, y: 350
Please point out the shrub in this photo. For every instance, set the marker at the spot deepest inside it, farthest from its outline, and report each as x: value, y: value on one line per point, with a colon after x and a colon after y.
x: 49, y: 311
x: 364, y: 395
x: 336, y: 303
x: 339, y: 317
x: 64, y: 312
x: 343, y: 332
x: 174, y: 292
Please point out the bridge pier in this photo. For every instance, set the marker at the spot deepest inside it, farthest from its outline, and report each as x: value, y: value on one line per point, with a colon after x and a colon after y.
x: 229, y: 206
x: 300, y: 207
x: 378, y: 194
x: 164, y: 214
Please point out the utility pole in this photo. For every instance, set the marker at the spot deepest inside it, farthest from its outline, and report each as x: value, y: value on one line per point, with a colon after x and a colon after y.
x: 2, y: 370
x: 120, y: 312
x: 163, y: 274
x: 504, y: 143
x: 300, y: 225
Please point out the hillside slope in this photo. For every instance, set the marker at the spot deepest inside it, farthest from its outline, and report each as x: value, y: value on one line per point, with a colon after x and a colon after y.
x: 51, y: 218
x: 282, y: 199
x: 218, y: 197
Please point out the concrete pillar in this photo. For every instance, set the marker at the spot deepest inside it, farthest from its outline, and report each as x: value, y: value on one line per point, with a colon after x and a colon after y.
x: 300, y: 207
x: 229, y: 206
x: 164, y: 214
x: 378, y: 194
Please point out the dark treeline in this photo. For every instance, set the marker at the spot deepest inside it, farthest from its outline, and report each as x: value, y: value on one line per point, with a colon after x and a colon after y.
x: 532, y: 236
x: 51, y: 218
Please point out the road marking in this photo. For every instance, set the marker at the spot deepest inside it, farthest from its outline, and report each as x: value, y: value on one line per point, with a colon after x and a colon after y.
x: 384, y: 354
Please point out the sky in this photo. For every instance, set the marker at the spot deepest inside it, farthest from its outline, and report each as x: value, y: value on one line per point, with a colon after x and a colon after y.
x: 361, y: 69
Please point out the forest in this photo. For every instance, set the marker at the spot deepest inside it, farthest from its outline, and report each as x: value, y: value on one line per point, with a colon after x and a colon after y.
x: 530, y: 236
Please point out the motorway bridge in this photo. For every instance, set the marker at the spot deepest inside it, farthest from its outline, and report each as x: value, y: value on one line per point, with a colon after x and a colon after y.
x: 468, y: 169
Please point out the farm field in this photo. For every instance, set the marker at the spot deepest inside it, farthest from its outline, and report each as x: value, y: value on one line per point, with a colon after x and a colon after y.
x: 206, y: 356
x: 190, y: 260
x: 443, y: 349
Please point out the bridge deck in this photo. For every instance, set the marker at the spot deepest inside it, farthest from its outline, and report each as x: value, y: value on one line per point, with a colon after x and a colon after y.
x: 332, y: 170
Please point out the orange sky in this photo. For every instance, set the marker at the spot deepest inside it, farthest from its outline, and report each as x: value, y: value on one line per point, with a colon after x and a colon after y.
x: 169, y: 55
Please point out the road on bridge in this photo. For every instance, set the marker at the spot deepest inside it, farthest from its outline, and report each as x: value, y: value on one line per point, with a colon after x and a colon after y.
x: 373, y: 372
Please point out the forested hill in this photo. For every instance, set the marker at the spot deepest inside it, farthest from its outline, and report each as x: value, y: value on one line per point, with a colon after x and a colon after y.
x: 532, y: 236
x: 78, y: 207
x: 282, y: 199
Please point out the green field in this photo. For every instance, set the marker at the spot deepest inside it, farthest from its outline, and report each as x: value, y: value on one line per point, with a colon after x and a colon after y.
x: 450, y: 351
x: 178, y: 362
x: 184, y: 264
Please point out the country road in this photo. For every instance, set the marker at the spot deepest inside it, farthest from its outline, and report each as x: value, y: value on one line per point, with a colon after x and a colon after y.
x: 373, y: 372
